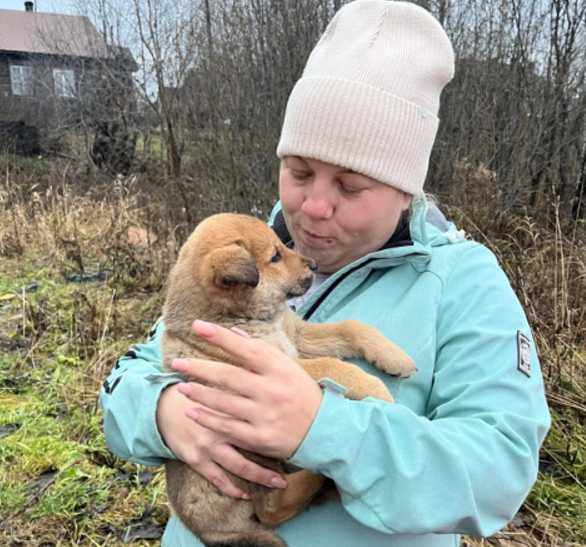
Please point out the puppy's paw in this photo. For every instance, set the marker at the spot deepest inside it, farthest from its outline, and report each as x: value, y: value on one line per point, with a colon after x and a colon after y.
x: 370, y: 387
x: 391, y: 359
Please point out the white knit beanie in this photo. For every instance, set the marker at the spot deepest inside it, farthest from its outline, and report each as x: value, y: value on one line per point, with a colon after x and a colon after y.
x: 369, y: 95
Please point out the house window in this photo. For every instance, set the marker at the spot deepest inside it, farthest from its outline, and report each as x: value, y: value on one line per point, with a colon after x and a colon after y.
x: 64, y: 82
x: 21, y: 78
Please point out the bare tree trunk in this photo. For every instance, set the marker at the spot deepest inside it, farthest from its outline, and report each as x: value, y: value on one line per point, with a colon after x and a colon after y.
x: 579, y: 205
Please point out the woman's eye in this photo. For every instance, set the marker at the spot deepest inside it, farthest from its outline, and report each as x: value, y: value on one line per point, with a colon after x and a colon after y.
x: 277, y: 257
x: 350, y: 190
x: 299, y: 175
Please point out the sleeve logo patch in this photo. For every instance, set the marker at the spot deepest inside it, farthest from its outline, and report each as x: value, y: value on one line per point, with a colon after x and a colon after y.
x: 524, y: 354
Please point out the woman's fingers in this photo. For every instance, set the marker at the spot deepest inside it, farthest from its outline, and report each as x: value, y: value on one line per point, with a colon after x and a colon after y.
x: 251, y: 353
x: 216, y: 475
x: 237, y: 432
x: 271, y: 403
x: 225, y: 376
x: 231, y: 460
x: 216, y: 399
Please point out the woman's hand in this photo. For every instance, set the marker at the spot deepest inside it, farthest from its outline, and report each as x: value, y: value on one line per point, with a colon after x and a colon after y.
x: 271, y: 402
x: 207, y: 452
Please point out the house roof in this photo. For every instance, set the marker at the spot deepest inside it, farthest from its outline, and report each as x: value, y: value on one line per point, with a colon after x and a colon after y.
x: 50, y: 33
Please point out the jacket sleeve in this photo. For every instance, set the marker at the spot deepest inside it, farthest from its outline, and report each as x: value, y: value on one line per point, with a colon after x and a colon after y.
x: 468, y: 464
x: 129, y: 402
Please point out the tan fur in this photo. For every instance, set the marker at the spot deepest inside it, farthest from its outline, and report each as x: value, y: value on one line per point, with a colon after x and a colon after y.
x: 225, y: 275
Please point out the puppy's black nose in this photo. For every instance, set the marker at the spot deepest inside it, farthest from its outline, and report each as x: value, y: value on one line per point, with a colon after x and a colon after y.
x: 313, y: 266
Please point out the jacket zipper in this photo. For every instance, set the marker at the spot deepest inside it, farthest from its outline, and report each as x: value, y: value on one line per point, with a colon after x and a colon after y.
x: 329, y: 290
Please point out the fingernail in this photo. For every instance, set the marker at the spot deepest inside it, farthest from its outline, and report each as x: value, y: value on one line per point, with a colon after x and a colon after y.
x: 184, y: 388
x: 278, y: 482
x: 204, y: 329
x: 245, y: 497
x: 180, y: 364
x: 240, y: 332
x: 190, y: 413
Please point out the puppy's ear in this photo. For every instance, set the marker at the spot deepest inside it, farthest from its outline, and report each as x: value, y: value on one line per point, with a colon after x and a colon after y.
x: 231, y: 265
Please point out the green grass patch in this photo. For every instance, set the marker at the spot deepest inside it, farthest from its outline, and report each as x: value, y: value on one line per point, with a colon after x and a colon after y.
x: 60, y: 483
x: 561, y: 507
x: 14, y: 160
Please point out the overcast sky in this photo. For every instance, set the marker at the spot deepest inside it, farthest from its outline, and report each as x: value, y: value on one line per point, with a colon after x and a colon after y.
x: 59, y: 6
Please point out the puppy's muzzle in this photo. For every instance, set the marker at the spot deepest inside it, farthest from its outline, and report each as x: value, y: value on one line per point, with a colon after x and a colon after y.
x: 301, y: 288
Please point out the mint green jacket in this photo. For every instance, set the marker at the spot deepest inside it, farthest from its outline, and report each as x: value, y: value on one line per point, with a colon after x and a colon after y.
x: 457, y: 454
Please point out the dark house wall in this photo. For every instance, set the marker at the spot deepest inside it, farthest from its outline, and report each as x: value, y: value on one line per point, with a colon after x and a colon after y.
x: 4, y: 79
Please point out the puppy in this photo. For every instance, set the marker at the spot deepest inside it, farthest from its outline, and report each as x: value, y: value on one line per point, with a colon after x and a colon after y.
x: 234, y: 271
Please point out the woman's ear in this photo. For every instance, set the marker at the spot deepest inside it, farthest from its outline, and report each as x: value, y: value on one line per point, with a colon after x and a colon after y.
x: 407, y: 199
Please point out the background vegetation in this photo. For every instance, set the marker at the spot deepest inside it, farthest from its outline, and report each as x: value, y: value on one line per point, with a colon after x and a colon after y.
x: 77, y: 288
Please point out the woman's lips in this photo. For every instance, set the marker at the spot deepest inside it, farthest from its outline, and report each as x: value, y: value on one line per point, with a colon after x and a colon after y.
x: 314, y: 238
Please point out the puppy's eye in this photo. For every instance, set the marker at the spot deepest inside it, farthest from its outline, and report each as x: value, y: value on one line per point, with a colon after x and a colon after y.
x: 277, y: 257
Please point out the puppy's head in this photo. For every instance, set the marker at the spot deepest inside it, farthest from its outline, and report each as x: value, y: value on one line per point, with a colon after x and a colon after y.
x: 239, y: 260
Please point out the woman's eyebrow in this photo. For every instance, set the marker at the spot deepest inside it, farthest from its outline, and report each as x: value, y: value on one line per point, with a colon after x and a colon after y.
x: 303, y: 160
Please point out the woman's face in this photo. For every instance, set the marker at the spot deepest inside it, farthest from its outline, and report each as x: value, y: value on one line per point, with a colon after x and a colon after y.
x: 335, y: 215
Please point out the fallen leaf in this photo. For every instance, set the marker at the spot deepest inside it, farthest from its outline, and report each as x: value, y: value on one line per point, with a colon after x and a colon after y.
x: 141, y: 528
x: 34, y: 485
x: 8, y: 429
x: 140, y: 237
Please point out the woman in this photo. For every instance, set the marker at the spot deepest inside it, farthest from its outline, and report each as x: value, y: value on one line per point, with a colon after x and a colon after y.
x: 458, y: 453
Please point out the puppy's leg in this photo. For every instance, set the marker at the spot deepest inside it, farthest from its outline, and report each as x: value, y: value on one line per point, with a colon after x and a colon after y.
x: 352, y: 339
x: 279, y: 505
x: 358, y: 384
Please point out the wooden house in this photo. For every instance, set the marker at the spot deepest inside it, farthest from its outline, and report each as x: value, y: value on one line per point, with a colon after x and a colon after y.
x: 57, y: 71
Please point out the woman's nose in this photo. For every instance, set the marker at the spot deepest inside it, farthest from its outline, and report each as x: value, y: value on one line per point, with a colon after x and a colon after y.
x: 317, y: 204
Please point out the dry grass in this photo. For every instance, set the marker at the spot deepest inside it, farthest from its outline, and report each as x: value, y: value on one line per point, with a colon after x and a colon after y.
x: 52, y: 219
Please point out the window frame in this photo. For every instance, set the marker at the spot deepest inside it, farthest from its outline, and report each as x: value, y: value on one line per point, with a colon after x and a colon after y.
x: 25, y: 82
x: 64, y: 88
